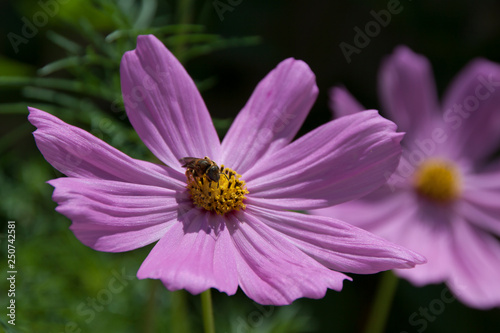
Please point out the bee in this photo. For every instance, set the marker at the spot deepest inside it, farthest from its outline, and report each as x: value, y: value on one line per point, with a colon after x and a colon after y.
x: 203, y: 166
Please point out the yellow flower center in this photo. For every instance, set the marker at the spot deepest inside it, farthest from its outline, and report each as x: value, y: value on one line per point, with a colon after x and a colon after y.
x: 221, y: 197
x: 437, y: 180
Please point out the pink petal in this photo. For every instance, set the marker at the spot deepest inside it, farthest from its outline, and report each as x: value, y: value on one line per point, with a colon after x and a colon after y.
x: 486, y: 178
x: 342, y: 103
x: 340, y: 161
x: 471, y: 109
x: 195, y: 254
x: 481, y: 201
x: 114, y: 216
x: 77, y: 153
x: 373, y: 211
x: 426, y: 230
x: 272, y: 115
x: 336, y: 244
x: 401, y: 218
x: 164, y: 105
x: 271, y: 269
x: 407, y: 89
x: 475, y: 270
x: 483, y: 214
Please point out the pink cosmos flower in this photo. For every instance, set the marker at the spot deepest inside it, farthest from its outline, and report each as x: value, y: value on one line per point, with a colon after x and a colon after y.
x: 444, y: 199
x: 239, y: 230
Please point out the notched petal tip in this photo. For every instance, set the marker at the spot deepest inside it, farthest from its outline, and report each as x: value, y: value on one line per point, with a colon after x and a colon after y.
x: 272, y: 116
x: 32, y: 111
x: 164, y: 105
x: 412, y: 259
x: 339, y: 245
x: 36, y: 116
x: 352, y: 154
x: 374, y: 116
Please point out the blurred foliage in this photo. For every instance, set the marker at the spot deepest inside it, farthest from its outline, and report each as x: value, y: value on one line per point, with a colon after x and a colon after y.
x: 63, y: 286
x: 83, y: 86
x: 71, y: 69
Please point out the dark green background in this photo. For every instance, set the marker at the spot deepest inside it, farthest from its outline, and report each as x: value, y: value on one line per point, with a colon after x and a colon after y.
x: 56, y: 273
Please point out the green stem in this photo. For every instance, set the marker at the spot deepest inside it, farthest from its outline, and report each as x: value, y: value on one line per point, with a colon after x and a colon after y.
x: 382, y: 304
x: 150, y: 315
x: 180, y: 320
x: 185, y: 11
x: 208, y: 313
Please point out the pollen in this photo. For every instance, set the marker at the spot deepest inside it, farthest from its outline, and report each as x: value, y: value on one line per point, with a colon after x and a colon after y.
x: 437, y: 180
x: 220, y: 197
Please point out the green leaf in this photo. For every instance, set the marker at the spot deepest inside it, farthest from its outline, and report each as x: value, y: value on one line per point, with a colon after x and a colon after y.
x: 14, y: 108
x: 64, y: 42
x: 60, y: 64
x: 16, y: 82
x: 61, y: 84
x: 158, y: 31
x: 146, y: 14
x: 198, y: 50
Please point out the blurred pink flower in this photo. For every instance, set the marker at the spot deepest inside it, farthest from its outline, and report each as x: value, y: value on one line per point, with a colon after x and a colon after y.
x: 443, y: 201
x: 241, y: 231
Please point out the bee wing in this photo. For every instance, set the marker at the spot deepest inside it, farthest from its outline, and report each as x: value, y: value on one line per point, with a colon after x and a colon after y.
x: 187, y: 160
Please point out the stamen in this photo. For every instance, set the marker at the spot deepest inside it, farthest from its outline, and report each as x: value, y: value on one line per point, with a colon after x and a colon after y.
x: 437, y: 180
x: 222, y: 197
